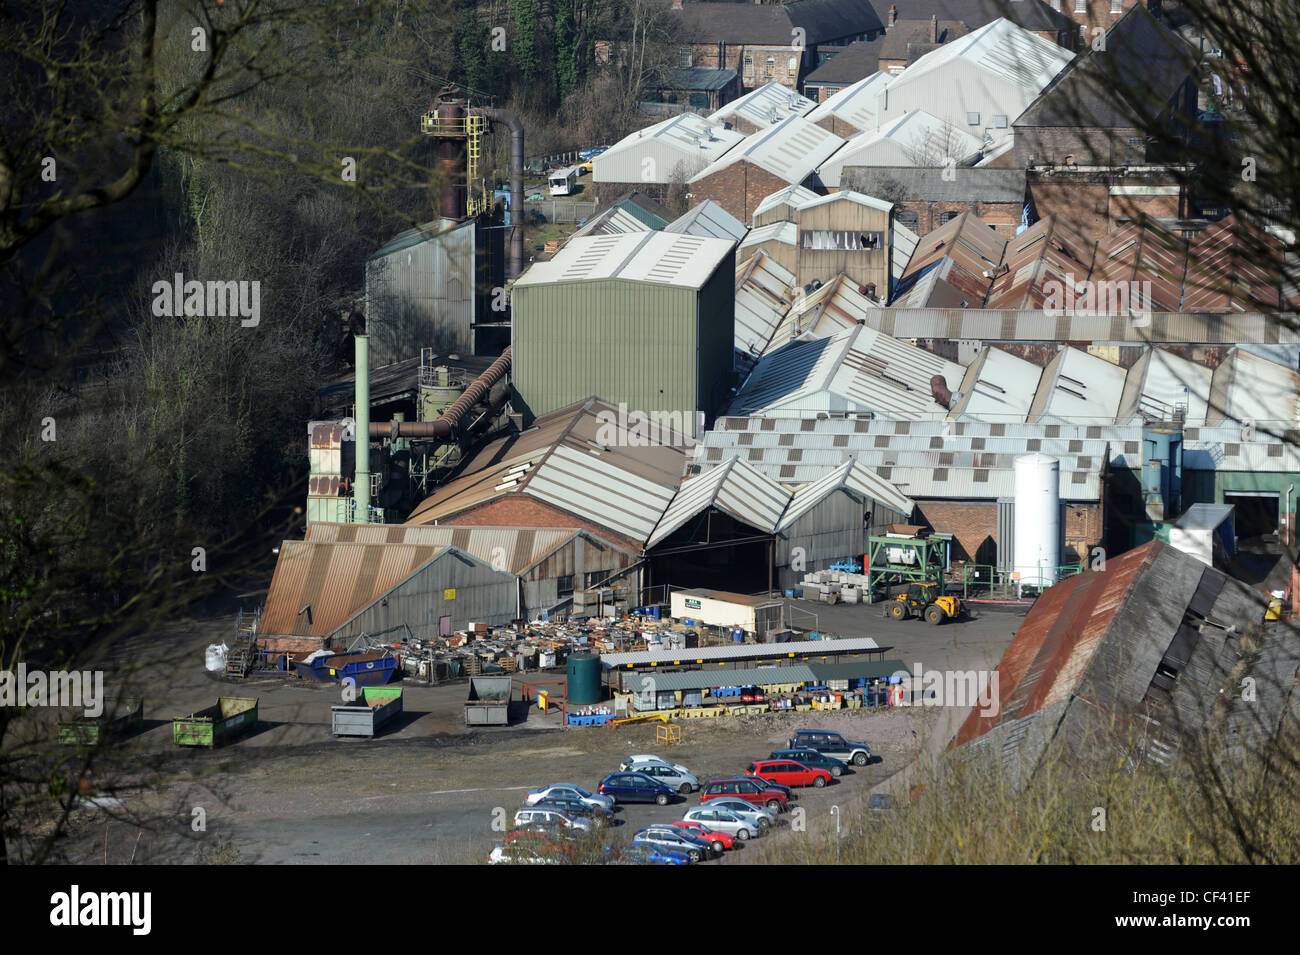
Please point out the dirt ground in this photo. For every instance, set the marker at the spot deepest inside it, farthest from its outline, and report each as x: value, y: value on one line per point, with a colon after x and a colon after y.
x: 431, y: 790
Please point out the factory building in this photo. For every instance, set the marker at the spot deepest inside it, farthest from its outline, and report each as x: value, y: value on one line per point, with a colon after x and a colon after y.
x: 429, y: 286
x: 643, y: 320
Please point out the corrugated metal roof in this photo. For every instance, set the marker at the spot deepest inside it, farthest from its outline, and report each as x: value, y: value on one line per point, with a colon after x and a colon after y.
x: 1048, y: 251
x: 766, y: 106
x: 623, y: 487
x: 763, y: 291
x: 1159, y: 384
x: 665, y: 682
x: 521, y: 548
x: 792, y: 150
x: 916, y: 138
x: 855, y: 104
x: 1249, y: 389
x: 709, y: 219
x: 795, y: 649
x: 1002, y: 49
x: 854, y: 370
x: 998, y: 386
x: 1234, y: 267
x: 962, y: 250
x: 336, y: 581
x: 834, y: 307
x: 853, y: 476
x: 1144, y: 252
x: 1079, y: 388
x: 858, y: 670
x: 696, y: 140
x: 663, y: 258
x: 784, y: 232
x: 792, y: 196
x: 739, y: 490
x: 901, y: 248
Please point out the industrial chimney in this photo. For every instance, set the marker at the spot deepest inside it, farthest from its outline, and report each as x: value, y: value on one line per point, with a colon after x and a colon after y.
x: 361, y: 424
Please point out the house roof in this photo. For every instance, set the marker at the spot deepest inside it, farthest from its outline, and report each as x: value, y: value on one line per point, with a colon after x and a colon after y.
x: 1030, y: 14
x: 850, y: 64
x: 771, y: 24
x: 908, y: 40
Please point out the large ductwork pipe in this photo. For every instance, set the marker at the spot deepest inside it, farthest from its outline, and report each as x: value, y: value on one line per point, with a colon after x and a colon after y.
x: 939, y: 390
x: 447, y: 426
x: 516, y: 183
x: 361, y: 489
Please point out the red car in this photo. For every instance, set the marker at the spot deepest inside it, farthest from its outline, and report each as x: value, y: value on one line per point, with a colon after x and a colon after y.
x: 788, y: 773
x: 749, y: 788
x: 721, y: 840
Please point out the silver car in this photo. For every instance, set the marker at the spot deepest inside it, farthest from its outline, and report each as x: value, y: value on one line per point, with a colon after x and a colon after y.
x: 670, y: 775
x: 551, y: 819
x: 760, y: 816
x: 712, y: 816
x: 569, y: 791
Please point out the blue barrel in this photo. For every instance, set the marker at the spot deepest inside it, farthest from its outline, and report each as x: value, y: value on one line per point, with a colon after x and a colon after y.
x: 737, y: 635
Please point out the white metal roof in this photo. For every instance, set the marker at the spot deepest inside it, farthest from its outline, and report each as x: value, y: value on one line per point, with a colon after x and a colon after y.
x: 709, y: 219
x: 793, y: 196
x: 1002, y: 49
x: 857, y: 369
x: 902, y: 245
x: 852, y: 475
x: 998, y: 386
x: 741, y: 651
x: 1158, y: 383
x: 855, y: 104
x: 592, y: 485
x: 792, y: 150
x: 847, y: 195
x: 1247, y: 388
x: 783, y: 231
x: 746, y: 494
x: 663, y: 258
x: 1204, y: 517
x: 1078, y: 388
x: 686, y: 138
x: 916, y: 138
x: 763, y: 290
x: 765, y: 106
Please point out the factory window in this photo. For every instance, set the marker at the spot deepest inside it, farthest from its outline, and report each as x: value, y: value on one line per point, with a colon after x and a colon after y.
x: 700, y: 101
x: 847, y: 240
x: 1116, y: 6
x: 684, y: 58
x: 771, y: 64
x: 564, y: 585
x: 907, y: 218
x: 1000, y: 121
x: 595, y: 578
x: 793, y: 66
x: 1080, y: 6
x: 948, y: 217
x: 972, y: 119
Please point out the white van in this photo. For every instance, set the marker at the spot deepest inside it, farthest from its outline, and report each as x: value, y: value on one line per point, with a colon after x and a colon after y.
x: 563, y: 181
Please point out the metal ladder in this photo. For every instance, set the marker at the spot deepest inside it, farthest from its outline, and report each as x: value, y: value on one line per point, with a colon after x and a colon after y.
x: 239, y: 659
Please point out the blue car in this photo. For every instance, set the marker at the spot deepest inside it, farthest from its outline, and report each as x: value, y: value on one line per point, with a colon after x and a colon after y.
x: 636, y: 787
x: 643, y: 853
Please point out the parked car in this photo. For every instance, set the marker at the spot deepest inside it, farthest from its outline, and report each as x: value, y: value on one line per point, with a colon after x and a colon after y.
x: 518, y: 853
x: 761, y: 817
x: 789, y: 772
x: 831, y: 744
x: 574, y: 808
x: 636, y: 787
x: 669, y: 775
x: 643, y: 758
x: 648, y: 853
x: 749, y: 788
x: 810, y: 757
x: 551, y: 819
x: 567, y: 791
x: 720, y: 838
x: 720, y: 819
x: 668, y: 838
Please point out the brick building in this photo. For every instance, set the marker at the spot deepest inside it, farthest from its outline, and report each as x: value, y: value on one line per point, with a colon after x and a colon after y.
x: 925, y: 199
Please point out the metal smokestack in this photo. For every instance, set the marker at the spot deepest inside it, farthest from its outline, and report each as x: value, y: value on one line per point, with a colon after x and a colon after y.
x: 361, y: 484
x: 450, y: 153
x: 516, y: 184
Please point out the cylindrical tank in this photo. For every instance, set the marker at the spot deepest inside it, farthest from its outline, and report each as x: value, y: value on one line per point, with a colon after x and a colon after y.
x: 583, y: 674
x: 1037, y: 549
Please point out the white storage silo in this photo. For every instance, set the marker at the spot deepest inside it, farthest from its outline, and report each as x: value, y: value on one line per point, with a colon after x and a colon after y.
x: 1037, y: 550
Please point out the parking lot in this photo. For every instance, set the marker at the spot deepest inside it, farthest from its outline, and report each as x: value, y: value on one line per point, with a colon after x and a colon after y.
x: 431, y: 790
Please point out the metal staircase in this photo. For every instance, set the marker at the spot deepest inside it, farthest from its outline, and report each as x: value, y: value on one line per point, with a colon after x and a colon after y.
x: 243, y: 649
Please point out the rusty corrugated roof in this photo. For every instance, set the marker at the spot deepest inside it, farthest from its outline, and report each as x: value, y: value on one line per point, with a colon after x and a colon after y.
x: 1233, y: 267
x: 336, y: 580
x: 1145, y: 252
x: 961, y: 250
x: 1051, y: 650
x: 1049, y: 250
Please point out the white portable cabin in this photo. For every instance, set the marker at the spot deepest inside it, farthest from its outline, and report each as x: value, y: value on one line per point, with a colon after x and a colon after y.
x: 563, y: 181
